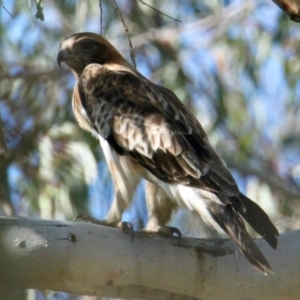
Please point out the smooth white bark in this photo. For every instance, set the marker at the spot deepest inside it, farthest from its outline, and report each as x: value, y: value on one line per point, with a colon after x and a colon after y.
x: 96, y: 260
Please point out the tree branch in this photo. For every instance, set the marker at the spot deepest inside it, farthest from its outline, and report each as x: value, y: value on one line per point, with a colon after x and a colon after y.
x: 132, y: 49
x: 158, y: 11
x: 219, y: 22
x: 96, y: 260
x: 291, y: 8
x: 288, y: 189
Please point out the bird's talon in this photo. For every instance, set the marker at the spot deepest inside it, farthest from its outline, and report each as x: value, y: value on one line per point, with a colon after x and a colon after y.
x: 165, y: 231
x: 170, y: 231
x: 127, y: 227
x: 81, y: 217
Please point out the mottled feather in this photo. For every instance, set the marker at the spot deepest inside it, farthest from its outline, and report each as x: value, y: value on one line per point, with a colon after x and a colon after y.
x: 153, y: 127
x: 149, y: 126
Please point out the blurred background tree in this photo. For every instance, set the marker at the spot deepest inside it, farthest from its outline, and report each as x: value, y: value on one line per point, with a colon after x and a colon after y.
x: 234, y: 63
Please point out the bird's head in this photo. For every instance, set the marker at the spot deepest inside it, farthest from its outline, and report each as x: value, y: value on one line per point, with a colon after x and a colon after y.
x: 82, y: 49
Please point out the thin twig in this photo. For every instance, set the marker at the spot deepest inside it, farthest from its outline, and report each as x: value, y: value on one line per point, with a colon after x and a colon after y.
x: 31, y: 18
x: 101, y: 17
x: 160, y: 12
x: 132, y: 49
x: 6, y: 10
x: 3, y: 148
x: 6, y: 76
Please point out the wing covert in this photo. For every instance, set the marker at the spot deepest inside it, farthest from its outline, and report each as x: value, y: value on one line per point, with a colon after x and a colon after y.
x: 151, y: 125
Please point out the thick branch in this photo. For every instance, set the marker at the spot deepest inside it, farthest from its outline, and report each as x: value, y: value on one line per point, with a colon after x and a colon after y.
x: 96, y: 260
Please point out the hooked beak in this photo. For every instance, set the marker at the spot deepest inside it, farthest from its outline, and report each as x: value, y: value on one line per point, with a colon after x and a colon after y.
x: 62, y: 56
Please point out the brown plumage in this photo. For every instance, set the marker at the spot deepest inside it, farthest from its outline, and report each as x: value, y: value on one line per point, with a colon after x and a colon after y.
x: 151, y: 134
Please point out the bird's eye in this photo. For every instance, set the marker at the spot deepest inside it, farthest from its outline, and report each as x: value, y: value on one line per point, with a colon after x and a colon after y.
x: 87, y: 45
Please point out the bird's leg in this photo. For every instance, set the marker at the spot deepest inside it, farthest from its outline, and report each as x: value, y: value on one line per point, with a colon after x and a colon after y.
x: 114, y: 215
x: 125, y: 183
x: 160, y: 209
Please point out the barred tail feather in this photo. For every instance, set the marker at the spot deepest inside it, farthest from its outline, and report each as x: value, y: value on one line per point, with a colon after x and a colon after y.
x: 230, y: 221
x: 259, y: 221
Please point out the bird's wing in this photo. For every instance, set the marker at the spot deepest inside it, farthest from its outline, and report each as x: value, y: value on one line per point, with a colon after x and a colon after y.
x: 150, y: 124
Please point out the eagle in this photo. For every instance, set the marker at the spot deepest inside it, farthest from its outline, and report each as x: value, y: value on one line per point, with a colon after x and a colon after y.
x: 145, y: 131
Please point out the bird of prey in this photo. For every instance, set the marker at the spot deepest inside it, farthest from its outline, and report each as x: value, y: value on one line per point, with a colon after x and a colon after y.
x: 147, y: 132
